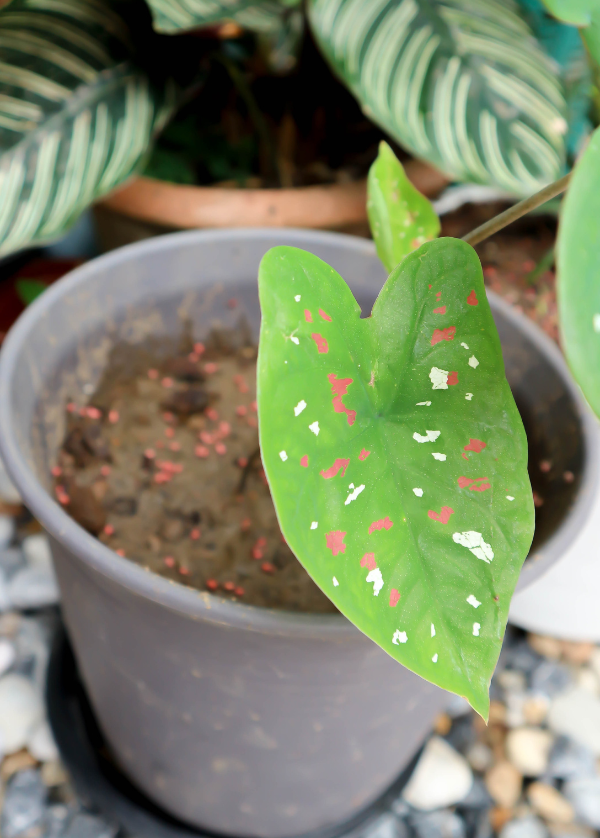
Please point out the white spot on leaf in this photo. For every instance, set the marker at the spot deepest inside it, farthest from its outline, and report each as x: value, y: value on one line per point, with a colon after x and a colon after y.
x: 596, y: 322
x: 474, y: 542
x: 439, y: 378
x: 465, y: 345
x: 335, y: 582
x: 297, y: 298
x: 423, y: 404
x: 283, y: 455
x: 438, y: 456
x: 376, y: 578
x: 430, y: 436
x: 299, y: 407
x: 418, y: 492
x: 476, y: 627
x: 432, y: 630
x: 294, y: 339
x: 469, y: 396
x: 353, y: 495
x: 315, y: 428
x: 473, y: 601
x: 473, y: 362
x: 399, y: 637
x: 314, y: 525
x: 509, y: 497
x: 434, y: 658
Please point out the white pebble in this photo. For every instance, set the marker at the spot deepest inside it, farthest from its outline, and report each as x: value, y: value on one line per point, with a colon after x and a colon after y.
x: 7, y: 655
x: 37, y: 550
x: 21, y: 709
x: 41, y: 744
x: 528, y: 749
x: 442, y: 777
x: 576, y: 713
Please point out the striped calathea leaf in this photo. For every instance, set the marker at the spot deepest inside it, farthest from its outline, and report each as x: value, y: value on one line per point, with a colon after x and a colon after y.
x: 396, y: 456
x: 461, y: 83
x: 264, y: 16
x: 401, y: 219
x: 76, y: 114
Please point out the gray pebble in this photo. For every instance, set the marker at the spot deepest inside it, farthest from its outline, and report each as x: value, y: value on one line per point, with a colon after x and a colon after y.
x: 584, y: 795
x: 57, y: 817
x: 33, y: 587
x: 386, y: 826
x: 443, y: 823
x: 520, y: 657
x: 527, y: 827
x: 478, y: 797
x: 11, y: 560
x: 24, y: 804
x: 550, y: 678
x: 89, y: 826
x: 569, y: 760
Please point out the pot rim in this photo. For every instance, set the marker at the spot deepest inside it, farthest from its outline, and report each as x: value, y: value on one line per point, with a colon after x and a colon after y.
x: 203, y: 605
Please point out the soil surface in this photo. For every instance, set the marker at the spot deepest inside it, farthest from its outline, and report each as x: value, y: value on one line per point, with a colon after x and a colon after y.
x: 164, y: 467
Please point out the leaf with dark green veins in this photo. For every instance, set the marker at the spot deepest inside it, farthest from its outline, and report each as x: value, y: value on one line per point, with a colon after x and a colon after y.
x: 578, y: 269
x: 396, y: 456
x: 401, y: 218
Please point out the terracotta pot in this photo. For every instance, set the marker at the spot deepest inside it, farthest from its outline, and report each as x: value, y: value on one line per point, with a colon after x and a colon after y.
x: 146, y: 207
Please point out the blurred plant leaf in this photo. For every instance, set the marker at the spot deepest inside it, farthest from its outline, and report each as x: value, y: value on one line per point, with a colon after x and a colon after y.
x: 461, y: 83
x: 585, y: 14
x: 29, y: 289
x: 170, y: 16
x: 76, y: 114
x: 401, y: 219
x: 578, y: 272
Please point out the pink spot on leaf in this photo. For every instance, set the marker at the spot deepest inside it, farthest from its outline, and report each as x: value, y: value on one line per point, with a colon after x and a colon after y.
x: 308, y: 316
x: 335, y: 541
x: 443, y: 334
x: 440, y: 310
x: 339, y: 388
x: 477, y: 484
x: 339, y: 465
x: 325, y: 316
x: 438, y: 295
x: 443, y: 516
x: 394, y: 597
x: 368, y: 560
x: 304, y: 461
x: 322, y: 344
x: 363, y: 454
x: 452, y: 379
x: 472, y: 299
x: 383, y: 524
x: 475, y: 445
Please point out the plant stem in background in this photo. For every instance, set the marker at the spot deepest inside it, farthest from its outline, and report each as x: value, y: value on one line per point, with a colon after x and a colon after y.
x: 262, y: 129
x: 517, y: 211
x: 542, y: 266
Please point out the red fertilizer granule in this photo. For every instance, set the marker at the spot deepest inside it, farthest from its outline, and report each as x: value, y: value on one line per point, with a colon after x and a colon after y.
x: 257, y: 553
x: 267, y: 567
x: 109, y: 529
x: 199, y: 348
x: 120, y: 552
x: 246, y: 524
x: 167, y: 382
x: 212, y: 584
x: 169, y: 432
x: 153, y: 374
x: 185, y: 571
x: 211, y: 414
x: 229, y: 586
x: 168, y: 417
x: 56, y: 471
x: 242, y: 462
x: 195, y: 534
x: 210, y: 368
x: 201, y: 451
x: 241, y: 410
x: 174, y: 446
x: 105, y: 471
x: 94, y: 413
x: 113, y: 416
x: 169, y: 561
x: 149, y: 453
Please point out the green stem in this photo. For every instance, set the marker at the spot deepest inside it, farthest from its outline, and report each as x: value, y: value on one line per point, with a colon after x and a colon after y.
x: 542, y: 266
x: 517, y: 211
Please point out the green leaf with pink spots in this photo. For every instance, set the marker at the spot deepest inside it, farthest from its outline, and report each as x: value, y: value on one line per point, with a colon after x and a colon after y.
x: 395, y: 454
x: 401, y: 219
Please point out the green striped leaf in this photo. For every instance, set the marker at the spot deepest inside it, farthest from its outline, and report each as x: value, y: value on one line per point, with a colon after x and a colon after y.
x: 257, y: 15
x: 461, y: 83
x: 578, y: 268
x: 76, y: 115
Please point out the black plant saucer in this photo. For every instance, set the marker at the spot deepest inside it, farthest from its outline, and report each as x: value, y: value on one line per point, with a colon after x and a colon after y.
x: 102, y: 787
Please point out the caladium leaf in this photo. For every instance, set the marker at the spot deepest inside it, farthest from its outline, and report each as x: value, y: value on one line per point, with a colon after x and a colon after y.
x: 401, y: 219
x: 578, y: 264
x: 396, y: 456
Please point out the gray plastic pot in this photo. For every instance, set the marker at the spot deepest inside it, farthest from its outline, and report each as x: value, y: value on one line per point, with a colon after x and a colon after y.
x: 237, y: 719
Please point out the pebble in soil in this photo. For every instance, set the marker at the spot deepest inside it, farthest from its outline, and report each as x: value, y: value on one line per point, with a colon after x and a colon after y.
x: 163, y: 466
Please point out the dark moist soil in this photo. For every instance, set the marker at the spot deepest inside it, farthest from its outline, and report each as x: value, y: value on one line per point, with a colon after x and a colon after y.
x: 164, y: 468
